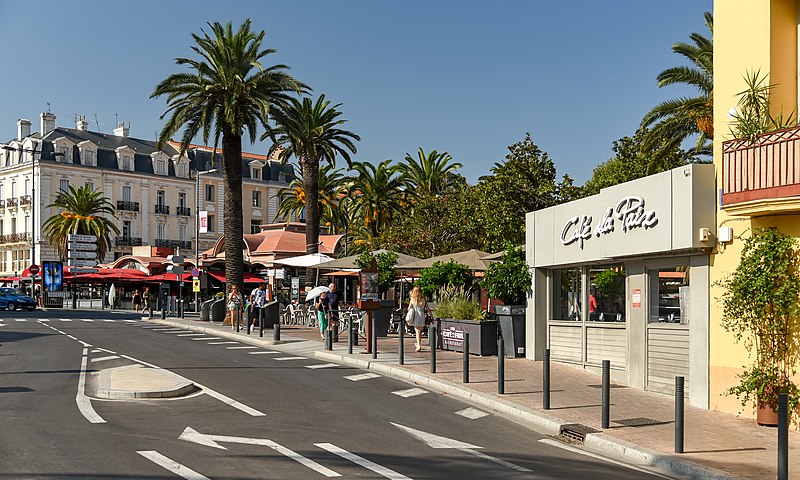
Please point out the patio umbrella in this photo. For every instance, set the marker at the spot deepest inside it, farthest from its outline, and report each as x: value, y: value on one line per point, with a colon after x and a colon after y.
x: 112, y: 295
x: 473, y: 259
x: 316, y: 292
x: 306, y: 261
x: 350, y: 262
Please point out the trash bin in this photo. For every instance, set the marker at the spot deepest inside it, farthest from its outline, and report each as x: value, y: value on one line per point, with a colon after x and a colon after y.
x: 272, y: 314
x: 218, y: 310
x: 511, y: 321
x: 205, y: 310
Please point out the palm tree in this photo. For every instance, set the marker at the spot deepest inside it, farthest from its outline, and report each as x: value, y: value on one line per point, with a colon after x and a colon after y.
x: 293, y: 197
x: 81, y: 211
x: 227, y: 92
x: 377, y: 194
x: 310, y: 132
x: 673, y: 121
x: 428, y: 174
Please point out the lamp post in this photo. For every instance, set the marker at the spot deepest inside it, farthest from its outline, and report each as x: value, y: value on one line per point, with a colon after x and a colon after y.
x: 197, y: 174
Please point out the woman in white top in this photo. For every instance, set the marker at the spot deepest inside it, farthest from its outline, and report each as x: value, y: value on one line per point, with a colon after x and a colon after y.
x: 235, y: 306
x: 419, y: 306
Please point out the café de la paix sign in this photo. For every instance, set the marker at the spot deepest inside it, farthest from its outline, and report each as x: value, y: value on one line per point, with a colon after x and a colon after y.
x: 630, y: 212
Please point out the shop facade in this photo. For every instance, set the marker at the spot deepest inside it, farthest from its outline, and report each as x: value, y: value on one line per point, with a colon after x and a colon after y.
x: 624, y: 276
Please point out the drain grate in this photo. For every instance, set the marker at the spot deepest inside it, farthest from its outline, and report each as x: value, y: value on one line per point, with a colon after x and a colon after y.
x: 640, y: 422
x: 575, y: 432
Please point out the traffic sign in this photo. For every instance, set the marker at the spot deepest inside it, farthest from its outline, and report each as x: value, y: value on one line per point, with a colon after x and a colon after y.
x: 176, y: 269
x: 73, y: 262
x: 84, y: 270
x: 34, y: 269
x: 79, y: 254
x: 81, y: 238
x: 176, y: 259
x: 195, y: 285
x: 86, y: 247
x: 195, y: 272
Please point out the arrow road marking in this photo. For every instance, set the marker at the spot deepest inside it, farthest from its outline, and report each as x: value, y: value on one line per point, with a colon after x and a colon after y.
x: 192, y: 435
x: 383, y: 471
x: 436, y: 441
x: 171, y: 465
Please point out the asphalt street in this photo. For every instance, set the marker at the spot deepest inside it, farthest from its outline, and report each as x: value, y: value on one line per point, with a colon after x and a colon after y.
x: 260, y: 413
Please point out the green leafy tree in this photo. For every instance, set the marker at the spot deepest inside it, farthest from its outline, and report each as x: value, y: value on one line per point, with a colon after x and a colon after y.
x: 444, y: 275
x: 673, y: 121
x: 81, y: 212
x: 428, y: 174
x: 376, y: 194
x: 510, y: 280
x: 385, y: 262
x: 310, y: 131
x: 631, y: 161
x: 226, y: 92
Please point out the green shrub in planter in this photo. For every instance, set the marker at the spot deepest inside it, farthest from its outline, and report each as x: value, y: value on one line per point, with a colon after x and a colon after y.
x: 510, y: 280
x: 454, y: 302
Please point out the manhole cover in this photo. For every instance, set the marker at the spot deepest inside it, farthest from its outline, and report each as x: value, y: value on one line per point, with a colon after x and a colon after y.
x: 640, y: 422
x: 575, y: 432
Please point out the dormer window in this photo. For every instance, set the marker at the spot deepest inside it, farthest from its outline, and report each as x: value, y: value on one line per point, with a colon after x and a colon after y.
x: 63, y: 151
x: 256, y: 174
x: 255, y: 169
x: 181, y: 164
x: 88, y: 153
x: 127, y: 163
x: 161, y: 166
x: 125, y: 158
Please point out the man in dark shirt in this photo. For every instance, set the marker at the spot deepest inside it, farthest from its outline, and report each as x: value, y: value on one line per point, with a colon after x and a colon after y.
x: 333, y: 298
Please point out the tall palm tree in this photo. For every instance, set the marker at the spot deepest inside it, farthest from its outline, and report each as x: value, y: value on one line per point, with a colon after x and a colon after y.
x: 429, y: 173
x: 377, y: 193
x: 673, y: 121
x: 310, y: 132
x: 227, y: 91
x: 81, y: 213
x: 293, y: 197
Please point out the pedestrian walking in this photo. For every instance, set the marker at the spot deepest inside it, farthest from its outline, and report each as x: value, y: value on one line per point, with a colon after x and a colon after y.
x: 137, y: 300
x: 258, y: 300
x: 235, y: 305
x: 323, y: 306
x: 418, y: 309
x: 146, y: 301
x: 38, y: 296
x: 333, y: 299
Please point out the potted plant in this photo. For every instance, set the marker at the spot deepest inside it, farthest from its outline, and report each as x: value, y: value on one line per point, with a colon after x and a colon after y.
x: 761, y: 307
x: 387, y: 275
x: 456, y: 314
x: 510, y: 281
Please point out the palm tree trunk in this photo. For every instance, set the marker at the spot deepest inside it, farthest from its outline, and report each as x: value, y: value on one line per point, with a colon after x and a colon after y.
x: 232, y: 209
x: 310, y: 170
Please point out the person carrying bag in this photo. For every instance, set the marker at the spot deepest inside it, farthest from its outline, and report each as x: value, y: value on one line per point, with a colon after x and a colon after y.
x: 417, y: 314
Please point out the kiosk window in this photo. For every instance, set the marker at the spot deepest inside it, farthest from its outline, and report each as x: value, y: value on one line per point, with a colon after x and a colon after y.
x: 607, y: 293
x: 669, y: 295
x: 567, y: 295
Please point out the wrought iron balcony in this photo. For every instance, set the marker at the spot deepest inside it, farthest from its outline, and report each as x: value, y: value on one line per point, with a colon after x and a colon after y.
x: 11, y: 202
x: 127, y: 241
x: 162, y: 209
x: 762, y: 176
x: 183, y: 211
x: 25, y: 200
x: 127, y: 206
x: 163, y: 242
x: 15, y: 237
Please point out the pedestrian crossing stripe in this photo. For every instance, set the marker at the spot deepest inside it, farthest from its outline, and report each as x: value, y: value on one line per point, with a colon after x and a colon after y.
x: 362, y: 376
x: 411, y: 392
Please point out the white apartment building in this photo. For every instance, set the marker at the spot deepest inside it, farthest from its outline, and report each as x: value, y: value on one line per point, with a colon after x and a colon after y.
x: 154, y: 191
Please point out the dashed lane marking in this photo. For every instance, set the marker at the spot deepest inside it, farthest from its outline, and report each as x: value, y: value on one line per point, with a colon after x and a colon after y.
x: 411, y: 392
x: 21, y: 320
x: 322, y: 365
x: 103, y: 359
x: 244, y: 347
x: 368, y: 464
x: 191, y: 335
x: 171, y: 465
x: 281, y: 359
x: 87, y: 320
x: 65, y: 319
x: 223, y: 343
x: 205, y: 338
x: 362, y: 376
x: 109, y: 320
x: 263, y: 352
x: 472, y: 413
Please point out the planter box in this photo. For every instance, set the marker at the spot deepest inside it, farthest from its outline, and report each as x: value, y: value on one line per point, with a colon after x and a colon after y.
x: 511, y: 320
x: 383, y: 317
x: 482, y: 336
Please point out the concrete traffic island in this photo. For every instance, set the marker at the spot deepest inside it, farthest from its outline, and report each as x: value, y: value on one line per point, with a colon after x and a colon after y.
x: 137, y: 381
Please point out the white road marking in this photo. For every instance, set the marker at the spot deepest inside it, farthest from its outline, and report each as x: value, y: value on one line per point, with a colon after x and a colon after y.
x: 87, y: 320
x: 472, y: 413
x: 44, y: 319
x: 65, y: 319
x: 263, y: 352
x: 192, y: 435
x: 109, y: 320
x: 322, y: 365
x: 206, y: 338
x: 569, y: 448
x: 97, y: 350
x: 171, y: 465
x: 192, y: 335
x: 103, y: 359
x: 282, y: 359
x: 84, y: 343
x: 242, y: 347
x: 21, y: 320
x: 362, y: 376
x: 222, y: 343
x: 211, y: 393
x: 105, y: 350
x: 380, y: 470
x: 3, y: 325
x: 72, y: 337
x: 411, y: 392
x: 84, y: 404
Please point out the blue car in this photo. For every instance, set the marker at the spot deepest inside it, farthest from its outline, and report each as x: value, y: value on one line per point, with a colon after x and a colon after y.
x: 13, y: 298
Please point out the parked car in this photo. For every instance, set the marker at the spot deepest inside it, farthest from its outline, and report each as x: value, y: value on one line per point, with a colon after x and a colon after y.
x: 13, y: 298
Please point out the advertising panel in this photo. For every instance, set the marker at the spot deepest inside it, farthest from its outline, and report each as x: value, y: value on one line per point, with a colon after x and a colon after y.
x: 53, y: 275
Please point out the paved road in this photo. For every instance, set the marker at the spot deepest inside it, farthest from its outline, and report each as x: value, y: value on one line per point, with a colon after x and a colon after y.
x: 259, y: 414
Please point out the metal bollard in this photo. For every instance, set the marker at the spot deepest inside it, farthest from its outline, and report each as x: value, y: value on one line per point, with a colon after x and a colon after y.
x: 350, y: 337
x: 679, y: 420
x: 546, y: 379
x: 276, y: 331
x: 374, y: 337
x: 163, y: 312
x: 260, y: 322
x: 465, y: 361
x: 606, y: 392
x: 401, y: 350
x: 501, y: 367
x: 783, y: 436
x: 432, y: 344
x: 328, y: 340
x: 335, y: 332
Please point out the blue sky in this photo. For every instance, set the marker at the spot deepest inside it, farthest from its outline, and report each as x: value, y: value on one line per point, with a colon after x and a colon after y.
x: 466, y: 77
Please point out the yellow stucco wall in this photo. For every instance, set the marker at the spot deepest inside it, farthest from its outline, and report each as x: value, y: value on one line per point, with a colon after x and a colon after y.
x: 749, y: 35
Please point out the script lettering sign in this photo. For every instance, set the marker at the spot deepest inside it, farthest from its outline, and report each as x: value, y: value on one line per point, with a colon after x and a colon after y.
x: 630, y: 211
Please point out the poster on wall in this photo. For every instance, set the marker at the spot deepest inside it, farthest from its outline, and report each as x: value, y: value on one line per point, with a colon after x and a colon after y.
x: 53, y: 275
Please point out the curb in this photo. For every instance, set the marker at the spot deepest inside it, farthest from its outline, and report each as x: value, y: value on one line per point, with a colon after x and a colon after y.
x: 180, y: 387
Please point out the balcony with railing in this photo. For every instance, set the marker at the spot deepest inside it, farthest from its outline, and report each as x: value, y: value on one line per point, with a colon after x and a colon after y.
x: 127, y: 241
x: 161, y: 209
x: 163, y: 242
x: 762, y: 176
x: 11, y: 202
x: 128, y: 206
x: 25, y: 200
x: 183, y: 211
x: 15, y: 238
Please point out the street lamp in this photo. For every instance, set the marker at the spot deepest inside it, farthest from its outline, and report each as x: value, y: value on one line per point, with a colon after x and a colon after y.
x: 197, y: 174
x: 33, y: 153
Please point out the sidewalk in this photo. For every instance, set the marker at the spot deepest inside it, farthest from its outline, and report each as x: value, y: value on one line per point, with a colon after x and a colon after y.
x: 717, y: 445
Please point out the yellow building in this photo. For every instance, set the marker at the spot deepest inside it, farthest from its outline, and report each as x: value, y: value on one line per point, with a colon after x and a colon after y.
x: 758, y: 183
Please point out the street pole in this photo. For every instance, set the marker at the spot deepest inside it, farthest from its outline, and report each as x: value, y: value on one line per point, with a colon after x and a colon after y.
x: 197, y: 237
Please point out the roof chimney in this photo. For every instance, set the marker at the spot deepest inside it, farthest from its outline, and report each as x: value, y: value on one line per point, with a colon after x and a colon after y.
x: 81, y: 123
x: 23, y: 128
x: 122, y: 130
x: 47, y: 124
